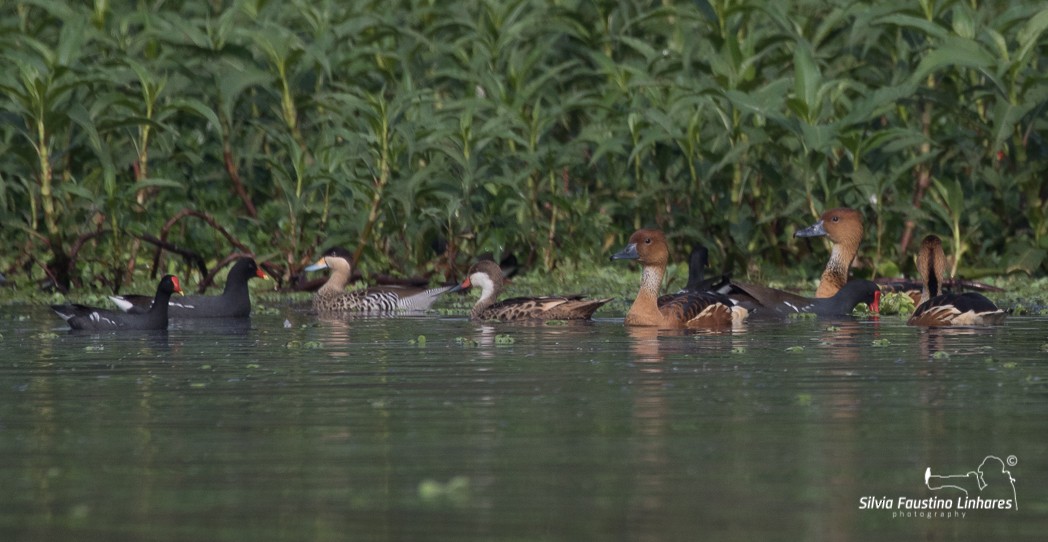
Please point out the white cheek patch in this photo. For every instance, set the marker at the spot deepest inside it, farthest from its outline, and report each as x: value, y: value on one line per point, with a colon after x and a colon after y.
x: 487, y: 287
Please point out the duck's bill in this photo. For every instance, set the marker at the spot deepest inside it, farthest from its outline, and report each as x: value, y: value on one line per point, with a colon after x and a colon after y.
x: 628, y: 253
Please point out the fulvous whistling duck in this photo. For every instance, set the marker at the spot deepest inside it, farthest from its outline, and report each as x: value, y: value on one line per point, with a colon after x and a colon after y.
x: 684, y: 310
x: 844, y: 228
x: 938, y: 309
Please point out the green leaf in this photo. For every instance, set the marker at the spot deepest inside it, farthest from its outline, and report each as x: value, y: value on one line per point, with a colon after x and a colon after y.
x: 1030, y: 36
x: 82, y: 118
x: 152, y: 183
x: 807, y: 80
x: 198, y: 107
x: 929, y: 28
x: 954, y: 52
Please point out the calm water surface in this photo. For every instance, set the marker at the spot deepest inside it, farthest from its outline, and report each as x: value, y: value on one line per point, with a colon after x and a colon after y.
x: 363, y: 430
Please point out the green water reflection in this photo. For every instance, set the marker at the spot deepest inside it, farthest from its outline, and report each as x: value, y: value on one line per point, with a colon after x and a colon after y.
x: 360, y: 430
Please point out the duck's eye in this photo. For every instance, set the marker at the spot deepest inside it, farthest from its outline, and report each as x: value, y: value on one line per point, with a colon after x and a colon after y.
x: 647, y: 240
x: 836, y: 218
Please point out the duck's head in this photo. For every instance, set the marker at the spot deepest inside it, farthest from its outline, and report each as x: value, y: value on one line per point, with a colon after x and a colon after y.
x: 840, y: 225
x: 333, y: 258
x: 647, y: 246
x: 486, y: 275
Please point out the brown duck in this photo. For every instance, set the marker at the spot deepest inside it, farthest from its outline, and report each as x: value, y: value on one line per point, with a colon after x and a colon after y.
x: 487, y: 276
x: 683, y: 310
x: 844, y: 228
x: 938, y: 309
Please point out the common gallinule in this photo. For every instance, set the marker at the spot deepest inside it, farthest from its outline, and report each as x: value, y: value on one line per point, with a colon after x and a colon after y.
x: 84, y: 317
x: 938, y: 309
x: 235, y: 301
x: 332, y: 297
x: 684, y: 310
x: 487, y: 276
x: 698, y: 260
x: 765, y: 301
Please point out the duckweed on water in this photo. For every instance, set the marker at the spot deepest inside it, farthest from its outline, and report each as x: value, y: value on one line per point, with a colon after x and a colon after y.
x: 896, y: 303
x: 504, y: 339
x: 880, y: 343
x: 456, y: 489
x: 941, y: 354
x: 795, y: 349
x: 862, y: 309
x: 271, y: 311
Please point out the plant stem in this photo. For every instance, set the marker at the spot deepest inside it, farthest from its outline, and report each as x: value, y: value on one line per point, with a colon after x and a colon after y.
x: 47, y: 200
x: 380, y: 184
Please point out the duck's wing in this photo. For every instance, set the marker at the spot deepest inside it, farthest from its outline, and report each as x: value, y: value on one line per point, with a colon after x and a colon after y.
x: 967, y: 309
x: 574, y: 307
x: 698, y: 309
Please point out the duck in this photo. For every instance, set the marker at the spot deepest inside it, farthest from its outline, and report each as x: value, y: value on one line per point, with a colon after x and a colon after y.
x: 91, y: 318
x: 488, y: 276
x: 683, y: 310
x: 914, y: 288
x: 235, y: 302
x: 762, y: 300
x: 332, y: 297
x: 939, y: 309
x: 844, y: 227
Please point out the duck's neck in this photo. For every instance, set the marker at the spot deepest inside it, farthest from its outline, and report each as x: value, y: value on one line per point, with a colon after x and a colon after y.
x: 932, y: 283
x: 835, y: 276
x: 645, y: 310
x: 336, y: 282
x: 488, y: 294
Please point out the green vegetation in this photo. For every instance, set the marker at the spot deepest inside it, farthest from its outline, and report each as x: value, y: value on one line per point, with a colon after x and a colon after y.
x: 421, y: 133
